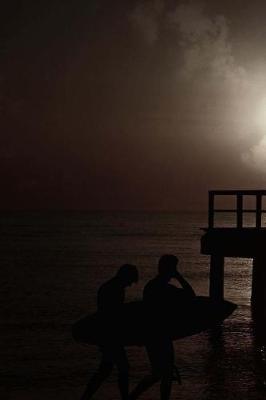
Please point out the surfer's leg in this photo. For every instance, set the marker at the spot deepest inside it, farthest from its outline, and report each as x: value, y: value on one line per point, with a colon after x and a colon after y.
x: 100, y: 375
x: 144, y: 385
x: 167, y: 369
x: 155, y: 376
x: 166, y: 385
x: 120, y: 359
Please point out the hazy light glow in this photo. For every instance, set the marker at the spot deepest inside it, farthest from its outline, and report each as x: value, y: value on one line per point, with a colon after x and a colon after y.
x: 260, y: 115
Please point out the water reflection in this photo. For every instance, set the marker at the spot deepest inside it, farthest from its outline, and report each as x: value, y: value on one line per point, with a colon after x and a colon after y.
x: 259, y: 341
x: 214, y: 368
x: 235, y: 366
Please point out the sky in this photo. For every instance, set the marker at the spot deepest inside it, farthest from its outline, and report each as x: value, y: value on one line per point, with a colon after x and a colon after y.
x: 131, y: 104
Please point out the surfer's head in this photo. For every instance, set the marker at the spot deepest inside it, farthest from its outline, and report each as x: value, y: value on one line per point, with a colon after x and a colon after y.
x: 128, y: 274
x: 167, y: 266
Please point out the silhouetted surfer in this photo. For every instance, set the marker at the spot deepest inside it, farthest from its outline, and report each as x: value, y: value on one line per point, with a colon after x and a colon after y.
x: 111, y: 296
x: 158, y: 297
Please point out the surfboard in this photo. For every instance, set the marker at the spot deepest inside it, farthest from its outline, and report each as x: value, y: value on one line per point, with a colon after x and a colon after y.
x: 133, y: 324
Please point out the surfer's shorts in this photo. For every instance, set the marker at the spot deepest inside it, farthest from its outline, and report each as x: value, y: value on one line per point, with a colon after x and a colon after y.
x: 115, y: 355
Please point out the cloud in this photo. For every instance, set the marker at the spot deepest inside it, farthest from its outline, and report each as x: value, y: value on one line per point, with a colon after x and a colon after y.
x: 233, y: 92
x: 201, y: 41
x: 206, y: 46
x: 145, y: 18
x: 255, y: 157
x: 211, y: 84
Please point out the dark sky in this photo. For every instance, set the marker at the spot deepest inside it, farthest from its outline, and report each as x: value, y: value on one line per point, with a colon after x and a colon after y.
x: 131, y: 104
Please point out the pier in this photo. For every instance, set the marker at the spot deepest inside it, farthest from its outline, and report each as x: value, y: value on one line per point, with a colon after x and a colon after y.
x: 237, y: 241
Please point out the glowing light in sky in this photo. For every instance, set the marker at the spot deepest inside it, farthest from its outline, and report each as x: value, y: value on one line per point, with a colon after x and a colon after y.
x: 260, y: 115
x: 256, y: 156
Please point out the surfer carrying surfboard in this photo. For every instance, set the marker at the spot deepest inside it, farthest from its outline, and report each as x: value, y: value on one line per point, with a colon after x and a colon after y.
x: 110, y: 298
x: 157, y: 296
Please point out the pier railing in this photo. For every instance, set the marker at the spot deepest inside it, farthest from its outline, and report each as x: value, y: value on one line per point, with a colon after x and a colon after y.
x: 239, y: 211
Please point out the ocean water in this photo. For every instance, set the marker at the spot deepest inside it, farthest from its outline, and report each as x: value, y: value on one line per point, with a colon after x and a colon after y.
x: 51, y: 267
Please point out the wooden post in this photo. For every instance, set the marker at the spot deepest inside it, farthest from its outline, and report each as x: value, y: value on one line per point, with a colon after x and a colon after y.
x: 211, y: 210
x: 217, y: 277
x: 258, y: 297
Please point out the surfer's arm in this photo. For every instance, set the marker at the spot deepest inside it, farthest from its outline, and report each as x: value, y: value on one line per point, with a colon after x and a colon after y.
x: 185, y: 285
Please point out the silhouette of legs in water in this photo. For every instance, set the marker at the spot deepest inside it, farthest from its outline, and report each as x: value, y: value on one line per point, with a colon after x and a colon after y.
x: 161, y: 356
x: 111, y: 355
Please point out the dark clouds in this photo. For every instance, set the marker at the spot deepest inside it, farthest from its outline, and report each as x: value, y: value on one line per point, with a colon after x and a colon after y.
x: 130, y: 105
x: 223, y: 92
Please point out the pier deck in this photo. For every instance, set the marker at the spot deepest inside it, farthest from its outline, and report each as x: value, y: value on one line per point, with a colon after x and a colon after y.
x: 237, y: 241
